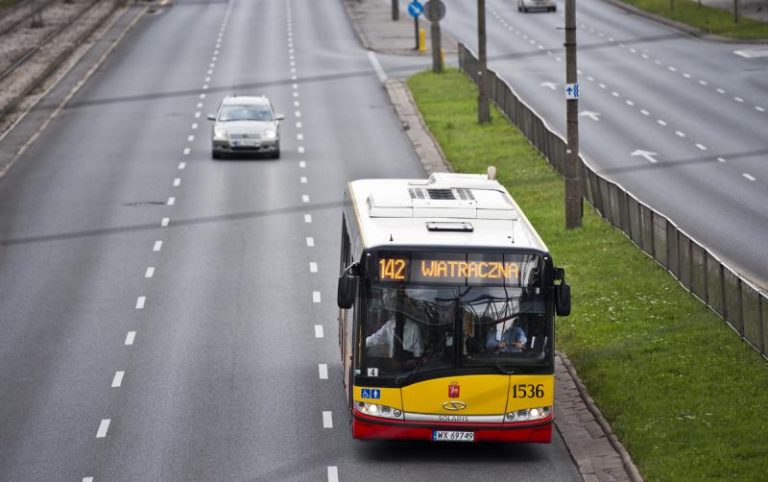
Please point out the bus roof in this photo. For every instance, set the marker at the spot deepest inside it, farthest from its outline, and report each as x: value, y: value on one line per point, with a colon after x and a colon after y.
x: 451, y: 210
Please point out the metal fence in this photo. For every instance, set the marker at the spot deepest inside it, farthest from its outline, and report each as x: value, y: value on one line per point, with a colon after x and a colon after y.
x: 740, y: 303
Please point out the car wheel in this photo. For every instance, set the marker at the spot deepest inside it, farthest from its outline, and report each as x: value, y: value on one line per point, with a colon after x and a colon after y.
x: 216, y: 155
x: 276, y: 154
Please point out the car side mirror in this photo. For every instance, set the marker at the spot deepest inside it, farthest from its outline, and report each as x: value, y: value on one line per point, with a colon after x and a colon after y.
x: 279, y: 117
x: 347, y: 291
x: 211, y: 117
x: 563, y: 299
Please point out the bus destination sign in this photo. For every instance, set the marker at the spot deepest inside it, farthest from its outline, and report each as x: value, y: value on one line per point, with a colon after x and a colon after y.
x: 452, y: 271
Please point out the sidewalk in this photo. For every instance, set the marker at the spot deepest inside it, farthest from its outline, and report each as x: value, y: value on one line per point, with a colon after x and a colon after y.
x: 754, y: 9
x: 597, y: 453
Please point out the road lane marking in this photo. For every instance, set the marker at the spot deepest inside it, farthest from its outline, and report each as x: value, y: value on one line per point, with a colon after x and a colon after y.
x: 117, y: 381
x: 721, y: 159
x: 738, y: 99
x: 630, y: 103
x: 171, y: 201
x: 703, y: 82
x: 164, y: 222
x: 157, y: 246
x: 197, y: 115
x: 190, y: 138
x: 87, y: 479
x: 672, y: 69
x: 327, y: 419
x: 687, y: 75
x: 129, y: 338
x: 202, y: 96
x: 377, y: 67
x: 299, y: 137
x: 720, y: 91
x: 103, y: 428
x: 749, y: 176
x: 316, y: 297
x: 333, y: 473
x: 140, y: 302
x: 182, y: 165
x: 701, y: 147
x: 308, y: 218
x: 615, y: 94
x: 177, y: 182
x: 312, y: 267
x: 310, y: 242
x: 319, y: 331
x: 194, y: 126
x: 680, y: 134
x: 305, y: 198
x: 295, y: 94
x: 303, y: 164
x: 297, y: 113
x: 187, y: 150
x: 298, y: 125
x: 150, y: 272
x: 645, y: 112
x: 759, y: 108
x: 300, y: 149
x: 602, y: 86
x: 661, y: 122
x: 303, y: 179
x: 322, y: 371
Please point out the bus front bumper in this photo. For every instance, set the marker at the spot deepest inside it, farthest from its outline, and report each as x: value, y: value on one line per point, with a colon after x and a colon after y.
x: 367, y: 428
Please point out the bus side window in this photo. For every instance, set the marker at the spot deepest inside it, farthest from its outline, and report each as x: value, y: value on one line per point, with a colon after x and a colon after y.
x: 346, y: 247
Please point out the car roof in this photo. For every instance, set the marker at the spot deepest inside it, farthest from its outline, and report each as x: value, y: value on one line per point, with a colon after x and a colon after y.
x: 245, y: 99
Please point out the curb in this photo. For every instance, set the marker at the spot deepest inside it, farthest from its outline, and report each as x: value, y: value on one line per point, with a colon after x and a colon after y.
x: 686, y: 29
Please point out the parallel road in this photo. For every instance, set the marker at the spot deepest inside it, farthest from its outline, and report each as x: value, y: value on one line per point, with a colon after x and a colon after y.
x: 680, y: 122
x: 170, y: 317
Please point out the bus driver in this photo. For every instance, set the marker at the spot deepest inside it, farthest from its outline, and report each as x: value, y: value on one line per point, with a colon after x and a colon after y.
x: 380, y: 343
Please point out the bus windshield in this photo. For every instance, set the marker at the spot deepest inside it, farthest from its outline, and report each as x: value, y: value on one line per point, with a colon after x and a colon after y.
x: 422, y: 328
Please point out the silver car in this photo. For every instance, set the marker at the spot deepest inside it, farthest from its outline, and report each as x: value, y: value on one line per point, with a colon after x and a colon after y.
x: 546, y: 5
x: 245, y: 125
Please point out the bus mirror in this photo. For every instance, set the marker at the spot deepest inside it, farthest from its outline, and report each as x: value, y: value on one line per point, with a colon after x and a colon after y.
x: 563, y: 299
x: 345, y: 297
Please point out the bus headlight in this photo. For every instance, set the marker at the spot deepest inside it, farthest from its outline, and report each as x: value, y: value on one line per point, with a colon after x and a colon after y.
x: 529, y: 414
x: 381, y: 411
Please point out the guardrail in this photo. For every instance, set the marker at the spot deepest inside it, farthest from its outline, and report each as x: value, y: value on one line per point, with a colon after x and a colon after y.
x: 742, y: 305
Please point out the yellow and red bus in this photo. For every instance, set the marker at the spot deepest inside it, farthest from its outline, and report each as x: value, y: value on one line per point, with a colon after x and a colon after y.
x: 447, y: 299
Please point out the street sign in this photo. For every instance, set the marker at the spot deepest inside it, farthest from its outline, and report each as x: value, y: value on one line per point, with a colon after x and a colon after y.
x: 572, y: 91
x: 434, y: 10
x: 415, y: 8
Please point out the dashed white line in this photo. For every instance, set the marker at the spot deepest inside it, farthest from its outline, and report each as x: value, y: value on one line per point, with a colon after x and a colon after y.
x: 129, y: 338
x: 310, y: 242
x: 701, y: 147
x: 687, y: 75
x: 680, y: 134
x: 182, y: 166
x: 299, y: 137
x: 202, y: 96
x: 645, y: 112
x: 303, y: 179
x: 308, y: 218
x: 748, y: 176
x: 661, y: 122
x: 197, y: 115
x: 657, y: 62
x: 703, y: 82
x: 150, y: 272
x: 322, y: 371
x: 295, y: 94
x: 187, y: 150
x: 87, y: 479
x: 327, y: 419
x: 117, y: 381
x: 295, y: 86
x: 602, y: 86
x: 738, y: 99
x: 333, y: 473
x: 157, y: 246
x: 316, y: 297
x: 199, y: 105
x: 319, y: 331
x: 140, y: 302
x: 171, y: 201
x: 190, y: 138
x: 629, y: 103
x: 297, y: 113
x: 305, y: 198
x: 302, y: 164
x: 721, y: 159
x: 300, y: 149
x: 103, y: 428
x: 164, y: 222
x: 177, y: 182
x: 759, y: 108
x: 672, y: 69
x: 721, y: 91
x: 312, y: 267
x: 615, y: 94
x: 194, y: 126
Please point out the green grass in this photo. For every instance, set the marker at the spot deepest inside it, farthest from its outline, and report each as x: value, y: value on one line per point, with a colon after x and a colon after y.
x: 707, y: 19
x: 683, y: 393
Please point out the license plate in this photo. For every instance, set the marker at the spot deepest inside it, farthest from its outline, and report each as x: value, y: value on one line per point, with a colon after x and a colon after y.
x: 452, y: 436
x: 245, y: 143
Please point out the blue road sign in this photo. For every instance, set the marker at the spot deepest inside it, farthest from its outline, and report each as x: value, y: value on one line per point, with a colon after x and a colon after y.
x: 572, y: 91
x: 415, y: 8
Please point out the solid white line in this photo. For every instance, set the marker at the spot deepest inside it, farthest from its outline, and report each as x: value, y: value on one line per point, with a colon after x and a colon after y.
x: 327, y: 419
x: 140, y: 302
x: 177, y: 182
x: 182, y: 165
x: 171, y: 201
x: 312, y: 267
x: 305, y: 198
x: 310, y: 242
x: 117, y: 381
x: 316, y: 297
x: 190, y: 138
x: 319, y: 331
x: 150, y: 272
x: 300, y: 149
x: 303, y: 179
x: 721, y: 159
x: 187, y: 150
x: 103, y: 428
x: 701, y: 147
x: 308, y: 218
x: 322, y: 370
x: 303, y: 164
x: 164, y: 222
x: 130, y: 337
x: 749, y: 177
x: 333, y: 473
x: 158, y: 246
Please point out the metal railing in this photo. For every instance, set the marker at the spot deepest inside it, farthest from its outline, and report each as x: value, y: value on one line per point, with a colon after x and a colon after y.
x: 742, y: 305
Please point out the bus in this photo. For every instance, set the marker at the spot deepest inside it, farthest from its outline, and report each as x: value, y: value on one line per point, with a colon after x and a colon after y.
x: 447, y: 302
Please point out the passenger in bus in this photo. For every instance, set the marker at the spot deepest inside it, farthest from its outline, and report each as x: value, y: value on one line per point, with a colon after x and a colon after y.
x: 381, y: 342
x: 512, y: 339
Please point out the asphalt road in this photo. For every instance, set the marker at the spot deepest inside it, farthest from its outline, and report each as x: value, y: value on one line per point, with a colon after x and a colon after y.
x: 169, y: 317
x: 680, y: 122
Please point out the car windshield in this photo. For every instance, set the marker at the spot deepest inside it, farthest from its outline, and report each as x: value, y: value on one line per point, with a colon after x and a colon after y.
x: 245, y: 113
x: 416, y: 329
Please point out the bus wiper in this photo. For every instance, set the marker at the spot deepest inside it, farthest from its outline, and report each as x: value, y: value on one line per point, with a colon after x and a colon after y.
x: 503, y: 369
x: 419, y: 365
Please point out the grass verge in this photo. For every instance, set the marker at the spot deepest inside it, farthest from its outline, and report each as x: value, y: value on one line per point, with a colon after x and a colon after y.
x: 680, y: 389
x: 707, y: 19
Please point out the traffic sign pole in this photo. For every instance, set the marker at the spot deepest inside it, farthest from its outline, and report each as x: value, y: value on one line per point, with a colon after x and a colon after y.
x: 574, y: 188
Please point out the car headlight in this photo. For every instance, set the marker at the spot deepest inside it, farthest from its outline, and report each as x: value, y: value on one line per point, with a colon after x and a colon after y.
x: 529, y: 414
x: 270, y: 134
x: 377, y: 410
x: 219, y: 134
